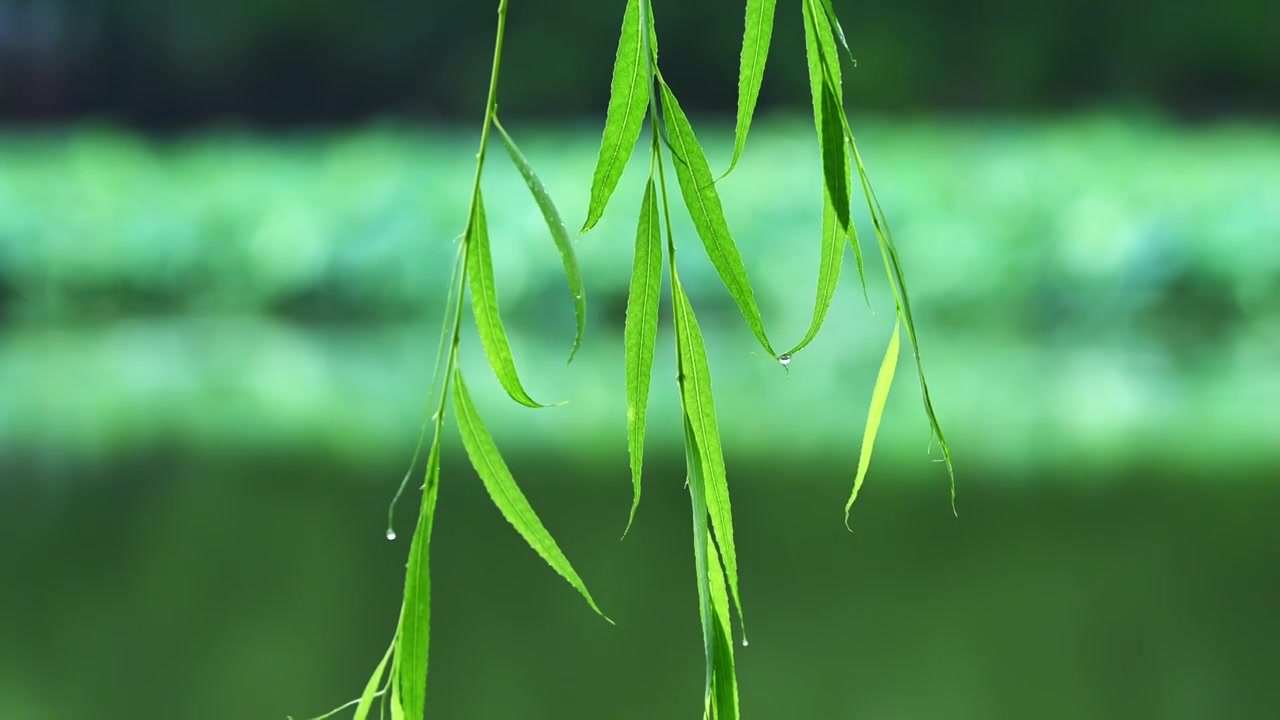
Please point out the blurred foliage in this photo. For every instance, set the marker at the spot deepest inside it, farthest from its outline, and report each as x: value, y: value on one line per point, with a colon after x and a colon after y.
x: 1090, y: 292
x: 1095, y: 225
x: 332, y: 60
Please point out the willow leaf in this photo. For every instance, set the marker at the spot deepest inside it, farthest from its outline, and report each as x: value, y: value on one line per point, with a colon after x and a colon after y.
x: 821, y: 49
x: 724, y: 681
x: 835, y: 22
x: 898, y: 283
x: 836, y: 223
x: 702, y: 547
x: 879, y: 396
x: 559, y: 233
x: 695, y: 394
x: 484, y: 306
x: 506, y: 495
x: 413, y: 642
x: 397, y: 705
x: 371, y: 688
x: 640, y: 334
x: 628, y: 102
x: 698, y: 188
x: 756, y: 35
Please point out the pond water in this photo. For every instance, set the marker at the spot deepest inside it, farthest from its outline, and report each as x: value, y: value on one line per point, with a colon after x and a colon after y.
x: 177, y: 585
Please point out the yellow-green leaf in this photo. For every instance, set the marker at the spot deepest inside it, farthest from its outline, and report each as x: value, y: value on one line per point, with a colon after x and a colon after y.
x: 506, y: 495
x: 371, y: 688
x: 879, y: 396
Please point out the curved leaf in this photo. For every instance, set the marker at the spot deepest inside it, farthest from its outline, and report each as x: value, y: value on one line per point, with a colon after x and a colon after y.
x: 640, y: 334
x: 371, y: 688
x: 898, y: 284
x: 628, y: 101
x: 484, y: 306
x: 756, y: 35
x: 879, y: 396
x: 695, y: 395
x: 836, y: 223
x: 698, y: 188
x: 559, y: 233
x: 506, y: 495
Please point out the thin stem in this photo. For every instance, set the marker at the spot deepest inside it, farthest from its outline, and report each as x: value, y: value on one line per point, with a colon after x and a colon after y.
x: 491, y: 104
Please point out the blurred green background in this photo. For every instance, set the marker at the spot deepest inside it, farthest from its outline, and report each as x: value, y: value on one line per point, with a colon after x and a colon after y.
x: 225, y: 231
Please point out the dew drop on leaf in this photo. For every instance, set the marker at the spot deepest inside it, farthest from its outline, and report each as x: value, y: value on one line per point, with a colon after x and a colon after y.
x: 391, y: 534
x: 784, y: 359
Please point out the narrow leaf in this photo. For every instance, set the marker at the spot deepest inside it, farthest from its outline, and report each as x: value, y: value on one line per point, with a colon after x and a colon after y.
x: 724, y: 681
x: 698, y: 188
x: 484, y: 306
x: 413, y: 642
x: 641, y: 332
x: 695, y: 394
x: 371, y: 688
x: 721, y: 693
x: 506, y: 495
x: 702, y: 547
x: 834, y: 21
x: 397, y: 704
x: 756, y: 35
x: 836, y: 223
x: 559, y: 233
x: 898, y: 283
x: 879, y: 396
x: 628, y: 101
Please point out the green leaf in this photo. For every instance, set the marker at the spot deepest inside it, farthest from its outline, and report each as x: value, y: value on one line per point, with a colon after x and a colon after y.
x: 836, y: 223
x: 559, y: 233
x: 902, y: 299
x: 371, y: 688
x: 628, y: 101
x: 702, y: 546
x: 506, y: 495
x: 879, y: 396
x: 724, y: 681
x: 834, y: 21
x: 413, y: 642
x: 641, y: 332
x: 699, y: 191
x: 721, y: 693
x: 756, y: 35
x: 484, y: 306
x: 397, y: 707
x: 695, y: 395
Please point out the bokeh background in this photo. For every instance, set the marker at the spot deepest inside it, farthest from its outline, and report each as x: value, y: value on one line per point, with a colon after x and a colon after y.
x: 225, y: 232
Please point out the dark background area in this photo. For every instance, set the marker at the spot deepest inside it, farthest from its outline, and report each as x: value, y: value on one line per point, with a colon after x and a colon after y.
x: 179, y: 63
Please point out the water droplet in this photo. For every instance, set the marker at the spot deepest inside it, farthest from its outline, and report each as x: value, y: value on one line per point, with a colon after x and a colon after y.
x: 784, y: 359
x: 744, y: 642
x: 391, y: 534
